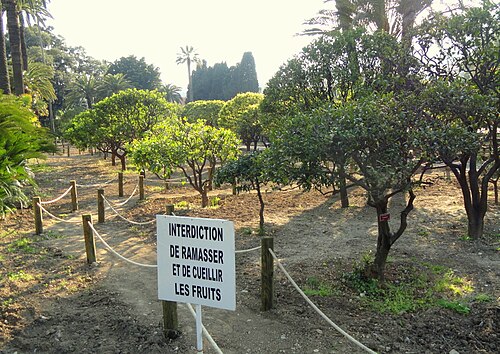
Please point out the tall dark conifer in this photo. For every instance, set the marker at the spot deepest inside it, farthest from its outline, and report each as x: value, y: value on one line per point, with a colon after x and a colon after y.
x: 246, y: 74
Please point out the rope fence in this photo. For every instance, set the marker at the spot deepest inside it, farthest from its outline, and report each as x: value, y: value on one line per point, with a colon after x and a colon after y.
x: 116, y: 253
x: 340, y: 330
x: 266, y: 247
x: 96, y: 185
x: 56, y: 217
x: 123, y: 218
x: 58, y: 198
x: 128, y: 199
x: 248, y: 250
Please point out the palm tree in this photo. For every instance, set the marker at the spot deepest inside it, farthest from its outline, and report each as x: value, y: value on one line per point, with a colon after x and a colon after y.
x: 39, y: 86
x: 111, y: 84
x: 15, y: 45
x: 172, y: 93
x: 4, y: 72
x: 396, y: 17
x: 188, y: 56
x: 83, y: 91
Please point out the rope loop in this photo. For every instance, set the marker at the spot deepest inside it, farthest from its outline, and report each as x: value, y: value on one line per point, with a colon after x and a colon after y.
x: 58, y: 198
x: 119, y: 255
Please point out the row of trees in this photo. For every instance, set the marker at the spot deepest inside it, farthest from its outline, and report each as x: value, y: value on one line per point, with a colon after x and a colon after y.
x: 372, y: 108
x: 220, y: 82
x: 360, y: 107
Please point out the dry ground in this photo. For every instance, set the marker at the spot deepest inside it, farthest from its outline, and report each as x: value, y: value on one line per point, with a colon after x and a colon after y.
x: 52, y: 302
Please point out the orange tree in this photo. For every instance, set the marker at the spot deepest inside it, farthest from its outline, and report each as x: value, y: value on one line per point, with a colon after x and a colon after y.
x: 117, y: 120
x: 190, y: 147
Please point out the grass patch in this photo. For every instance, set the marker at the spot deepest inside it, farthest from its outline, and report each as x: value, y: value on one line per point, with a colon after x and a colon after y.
x: 40, y: 168
x: 23, y: 245
x: 183, y: 204
x: 413, y: 288
x: 315, y: 287
x: 19, y: 276
x: 214, y: 202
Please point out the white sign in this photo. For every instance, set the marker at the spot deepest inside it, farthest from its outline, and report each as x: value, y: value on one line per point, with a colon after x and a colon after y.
x: 196, y: 261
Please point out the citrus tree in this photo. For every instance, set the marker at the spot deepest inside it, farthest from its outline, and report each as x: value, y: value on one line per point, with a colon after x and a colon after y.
x: 242, y: 115
x: 190, y: 147
x: 118, y: 120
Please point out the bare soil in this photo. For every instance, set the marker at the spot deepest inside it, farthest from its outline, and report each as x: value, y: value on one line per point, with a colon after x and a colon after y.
x: 51, y: 301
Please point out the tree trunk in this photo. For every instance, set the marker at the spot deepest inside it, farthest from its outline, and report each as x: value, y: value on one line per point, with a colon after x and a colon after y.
x: 113, y: 159
x: 204, y: 196
x: 4, y: 72
x: 190, y: 81
x: 344, y: 199
x: 475, y: 224
x: 377, y: 269
x: 15, y: 45
x: 24, y: 52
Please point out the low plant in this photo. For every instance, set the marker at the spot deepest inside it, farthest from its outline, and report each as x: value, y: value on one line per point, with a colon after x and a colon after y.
x: 315, y: 287
x: 22, y: 245
x: 19, y: 276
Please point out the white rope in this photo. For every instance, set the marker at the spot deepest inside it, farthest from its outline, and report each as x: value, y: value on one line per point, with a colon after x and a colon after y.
x: 340, y: 330
x: 95, y: 185
x: 119, y: 255
x: 123, y: 218
x: 56, y: 217
x: 248, y: 250
x: 58, y: 198
x: 126, y: 201
x: 205, y: 332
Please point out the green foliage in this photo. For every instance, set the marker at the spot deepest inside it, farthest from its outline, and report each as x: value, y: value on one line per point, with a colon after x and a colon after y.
x: 117, y: 120
x: 141, y: 75
x: 221, y: 82
x: 191, y: 147
x: 242, y: 115
x: 20, y: 140
x: 203, y: 110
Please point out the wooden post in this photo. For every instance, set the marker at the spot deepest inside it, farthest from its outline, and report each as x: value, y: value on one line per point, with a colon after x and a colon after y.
x: 38, y: 215
x: 233, y: 185
x: 68, y: 149
x: 267, y: 272
x: 74, y: 196
x: 141, y: 187
x: 170, y: 319
x: 120, y: 184
x: 88, y: 234
x: 100, y: 206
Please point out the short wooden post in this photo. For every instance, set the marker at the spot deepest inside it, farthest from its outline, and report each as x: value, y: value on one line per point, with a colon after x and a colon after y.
x: 74, y: 196
x: 88, y: 234
x: 38, y: 215
x: 68, y: 149
x: 141, y: 187
x: 100, y: 206
x: 267, y: 272
x: 170, y: 319
x: 120, y: 184
x: 233, y: 185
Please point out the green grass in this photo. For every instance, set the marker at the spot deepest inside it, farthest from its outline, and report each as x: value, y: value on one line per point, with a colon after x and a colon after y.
x: 23, y: 245
x: 19, y: 276
x: 214, y: 202
x: 415, y: 288
x: 40, y: 168
x: 315, y: 287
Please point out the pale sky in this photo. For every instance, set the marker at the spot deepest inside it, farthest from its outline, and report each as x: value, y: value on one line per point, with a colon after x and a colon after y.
x: 219, y: 30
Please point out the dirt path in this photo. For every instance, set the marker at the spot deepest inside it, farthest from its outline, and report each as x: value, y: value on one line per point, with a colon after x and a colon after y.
x: 113, y: 306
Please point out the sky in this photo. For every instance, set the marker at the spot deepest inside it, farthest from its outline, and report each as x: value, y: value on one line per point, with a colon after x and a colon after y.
x: 219, y: 30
